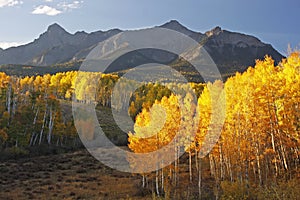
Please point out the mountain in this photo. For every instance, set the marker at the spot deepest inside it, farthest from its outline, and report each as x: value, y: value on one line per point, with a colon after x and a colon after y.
x: 236, y: 50
x: 231, y: 51
x: 176, y: 26
x: 53, y: 47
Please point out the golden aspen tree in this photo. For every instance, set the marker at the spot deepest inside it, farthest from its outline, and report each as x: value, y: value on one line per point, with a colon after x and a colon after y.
x: 154, y: 130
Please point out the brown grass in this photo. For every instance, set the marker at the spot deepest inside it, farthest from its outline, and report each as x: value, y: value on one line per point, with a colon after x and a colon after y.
x: 66, y: 176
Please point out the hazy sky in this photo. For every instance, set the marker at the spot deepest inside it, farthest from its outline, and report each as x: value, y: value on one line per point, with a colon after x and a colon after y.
x: 274, y: 22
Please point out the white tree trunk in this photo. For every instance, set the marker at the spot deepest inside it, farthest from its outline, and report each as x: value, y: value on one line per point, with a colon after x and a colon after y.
x: 190, y: 166
x: 199, y: 176
x: 43, y: 126
x: 51, y: 124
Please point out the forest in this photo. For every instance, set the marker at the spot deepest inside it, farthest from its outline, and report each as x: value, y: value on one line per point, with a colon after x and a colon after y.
x: 257, y: 155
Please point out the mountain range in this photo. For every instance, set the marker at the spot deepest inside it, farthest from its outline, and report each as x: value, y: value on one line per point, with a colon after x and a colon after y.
x: 231, y: 51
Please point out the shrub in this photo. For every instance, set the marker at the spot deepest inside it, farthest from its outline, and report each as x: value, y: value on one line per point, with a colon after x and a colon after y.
x: 234, y: 190
x: 288, y: 190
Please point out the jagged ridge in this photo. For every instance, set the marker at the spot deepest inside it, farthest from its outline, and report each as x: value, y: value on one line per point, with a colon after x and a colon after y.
x: 231, y: 51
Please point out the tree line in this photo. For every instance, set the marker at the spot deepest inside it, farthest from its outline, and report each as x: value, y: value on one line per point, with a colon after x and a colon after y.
x: 36, y: 110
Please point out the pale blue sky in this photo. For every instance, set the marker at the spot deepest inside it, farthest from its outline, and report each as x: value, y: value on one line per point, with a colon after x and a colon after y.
x: 274, y: 22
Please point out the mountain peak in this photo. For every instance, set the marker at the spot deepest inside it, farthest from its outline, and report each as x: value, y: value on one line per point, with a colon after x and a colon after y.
x: 55, y: 28
x: 176, y: 26
x: 173, y: 21
x: 173, y: 24
x: 214, y: 31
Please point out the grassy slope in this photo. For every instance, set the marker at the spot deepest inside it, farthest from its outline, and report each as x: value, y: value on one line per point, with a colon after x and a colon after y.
x: 78, y: 175
x: 66, y: 176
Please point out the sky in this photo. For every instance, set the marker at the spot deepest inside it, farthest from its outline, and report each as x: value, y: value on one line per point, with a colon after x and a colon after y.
x: 274, y: 22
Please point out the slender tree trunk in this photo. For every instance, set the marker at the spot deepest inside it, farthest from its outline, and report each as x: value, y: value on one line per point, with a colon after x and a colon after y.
x: 284, y: 160
x: 8, y: 98
x: 43, y: 126
x: 157, y: 182
x: 35, y: 117
x: 175, y: 163
x: 221, y: 162
x: 190, y: 166
x: 296, y: 161
x: 162, y: 177
x: 33, y: 123
x: 35, y: 139
x: 247, y: 175
x: 258, y: 164
x: 280, y: 140
x: 8, y: 103
x: 196, y: 159
x: 230, y: 170
x: 143, y: 181
x: 212, y: 165
x: 274, y: 149
x: 32, y: 139
x: 14, y: 107
x: 177, y: 171
x: 200, y: 177
x: 51, y: 124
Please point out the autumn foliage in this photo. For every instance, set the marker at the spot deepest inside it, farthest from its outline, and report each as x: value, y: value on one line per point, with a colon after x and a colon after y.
x: 257, y: 114
x: 259, y: 142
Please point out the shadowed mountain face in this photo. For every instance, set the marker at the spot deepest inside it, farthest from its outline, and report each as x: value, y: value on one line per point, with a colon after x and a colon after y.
x: 230, y: 51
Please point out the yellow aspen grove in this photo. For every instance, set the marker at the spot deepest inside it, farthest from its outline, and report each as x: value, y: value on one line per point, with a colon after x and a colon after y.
x: 154, y: 129
x: 189, y: 120
x: 261, y: 131
x: 240, y: 139
x: 149, y: 132
x: 211, y: 106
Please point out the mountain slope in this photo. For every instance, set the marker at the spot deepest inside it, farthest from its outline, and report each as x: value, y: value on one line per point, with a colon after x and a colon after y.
x: 236, y: 50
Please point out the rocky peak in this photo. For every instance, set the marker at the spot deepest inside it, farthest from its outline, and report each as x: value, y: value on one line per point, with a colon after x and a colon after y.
x: 55, y: 31
x: 80, y: 33
x: 54, y: 28
x: 174, y: 25
x: 215, y: 31
x: 55, y: 35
